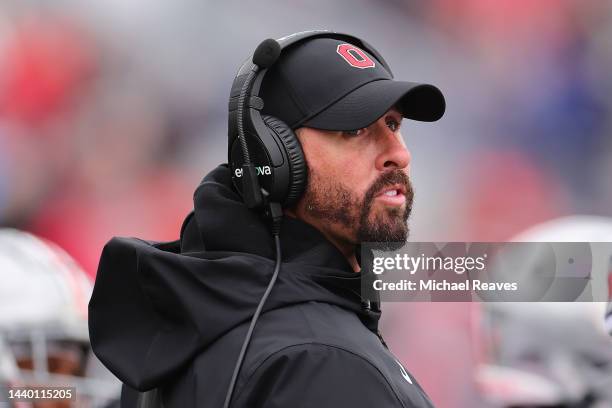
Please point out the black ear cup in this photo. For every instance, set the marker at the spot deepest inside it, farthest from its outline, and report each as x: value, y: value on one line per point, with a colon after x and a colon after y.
x: 297, y: 162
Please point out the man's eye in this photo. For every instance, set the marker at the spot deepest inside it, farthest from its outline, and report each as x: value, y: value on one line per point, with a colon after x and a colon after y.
x: 393, y: 124
x: 353, y: 133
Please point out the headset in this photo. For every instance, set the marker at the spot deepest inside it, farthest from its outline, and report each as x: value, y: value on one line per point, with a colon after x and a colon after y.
x: 273, y: 158
x: 269, y: 171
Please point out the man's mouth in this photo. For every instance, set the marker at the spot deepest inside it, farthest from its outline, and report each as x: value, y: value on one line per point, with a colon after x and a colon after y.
x: 394, y: 195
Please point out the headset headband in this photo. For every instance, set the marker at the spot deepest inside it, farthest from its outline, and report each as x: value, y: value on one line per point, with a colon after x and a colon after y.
x: 285, y: 43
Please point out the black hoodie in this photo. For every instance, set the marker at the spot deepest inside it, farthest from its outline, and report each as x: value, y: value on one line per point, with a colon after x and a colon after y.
x: 173, y: 316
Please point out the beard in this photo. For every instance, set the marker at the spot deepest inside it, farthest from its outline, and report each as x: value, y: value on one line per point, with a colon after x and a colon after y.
x: 334, y: 203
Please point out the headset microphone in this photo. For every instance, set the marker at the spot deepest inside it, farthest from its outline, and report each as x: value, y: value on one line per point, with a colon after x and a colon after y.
x: 265, y: 55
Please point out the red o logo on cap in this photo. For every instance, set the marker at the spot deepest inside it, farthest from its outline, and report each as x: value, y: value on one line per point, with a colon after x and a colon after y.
x: 354, y: 56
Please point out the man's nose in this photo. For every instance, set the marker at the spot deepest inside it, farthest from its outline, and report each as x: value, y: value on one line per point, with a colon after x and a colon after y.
x: 394, y: 153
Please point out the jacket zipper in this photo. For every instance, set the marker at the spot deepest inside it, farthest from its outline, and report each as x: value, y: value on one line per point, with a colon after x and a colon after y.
x: 380, y: 337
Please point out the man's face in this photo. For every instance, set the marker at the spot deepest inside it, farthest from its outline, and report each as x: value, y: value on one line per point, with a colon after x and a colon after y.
x: 358, y: 186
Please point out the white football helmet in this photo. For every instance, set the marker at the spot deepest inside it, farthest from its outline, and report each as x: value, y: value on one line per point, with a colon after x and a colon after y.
x: 43, y: 322
x: 550, y: 353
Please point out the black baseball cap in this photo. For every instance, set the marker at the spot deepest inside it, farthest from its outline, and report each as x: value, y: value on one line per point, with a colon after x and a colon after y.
x: 330, y: 84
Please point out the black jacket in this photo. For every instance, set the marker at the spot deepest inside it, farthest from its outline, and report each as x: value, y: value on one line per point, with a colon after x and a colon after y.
x: 173, y: 316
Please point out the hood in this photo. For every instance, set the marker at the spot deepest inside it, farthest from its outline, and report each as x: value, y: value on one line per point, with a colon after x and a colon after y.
x: 157, y: 305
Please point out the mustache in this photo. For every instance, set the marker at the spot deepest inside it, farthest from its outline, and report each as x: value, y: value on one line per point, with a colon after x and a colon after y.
x: 390, y: 178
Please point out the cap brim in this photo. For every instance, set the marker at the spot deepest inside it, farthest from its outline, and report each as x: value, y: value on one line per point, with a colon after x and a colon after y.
x: 364, y: 105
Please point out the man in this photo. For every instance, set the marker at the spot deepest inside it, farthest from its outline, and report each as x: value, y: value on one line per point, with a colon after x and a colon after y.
x: 172, y: 317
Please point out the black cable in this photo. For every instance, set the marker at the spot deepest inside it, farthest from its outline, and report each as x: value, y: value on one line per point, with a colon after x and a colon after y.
x: 264, y: 56
x: 247, y: 339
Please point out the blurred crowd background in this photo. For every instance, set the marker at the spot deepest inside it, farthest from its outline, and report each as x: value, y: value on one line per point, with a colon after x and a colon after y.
x: 112, y: 111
